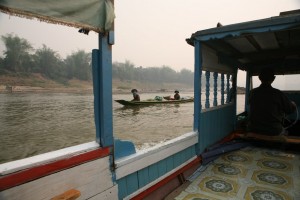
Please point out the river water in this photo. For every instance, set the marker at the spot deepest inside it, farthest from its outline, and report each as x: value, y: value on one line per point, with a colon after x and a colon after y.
x: 35, y: 123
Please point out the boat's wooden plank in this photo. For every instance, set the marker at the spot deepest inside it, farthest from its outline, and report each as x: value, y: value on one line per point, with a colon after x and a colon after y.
x: 132, y: 183
x: 95, y: 186
x: 158, y: 170
x: 143, y: 176
x: 177, y: 159
x: 18, y: 165
x: 208, y: 125
x: 18, y: 178
x: 110, y: 194
x: 153, y: 172
x: 68, y: 195
x: 187, y: 153
x: 162, y: 167
x: 159, y: 182
x: 133, y: 165
x: 90, y: 179
x: 170, y: 163
x: 122, y: 189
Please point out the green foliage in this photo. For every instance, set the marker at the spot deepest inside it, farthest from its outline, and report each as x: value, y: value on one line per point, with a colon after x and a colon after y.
x: 17, y: 54
x: 19, y: 58
x: 47, y: 62
x: 78, y: 65
x: 164, y: 74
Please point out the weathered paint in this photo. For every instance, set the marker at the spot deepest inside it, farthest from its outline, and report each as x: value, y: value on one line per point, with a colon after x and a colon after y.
x: 71, y: 173
x: 222, y: 89
x: 207, y: 89
x: 123, y: 148
x: 17, y: 176
x: 197, y: 85
x: 248, y: 88
x: 141, y: 178
x: 147, y: 157
x: 159, y: 185
x: 102, y: 80
x: 210, y: 132
x: 227, y: 87
x: 247, y: 29
x: 215, y: 103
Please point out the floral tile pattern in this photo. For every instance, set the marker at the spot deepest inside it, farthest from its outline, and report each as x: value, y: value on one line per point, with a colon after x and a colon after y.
x: 272, y: 179
x: 277, y: 165
x: 251, y: 173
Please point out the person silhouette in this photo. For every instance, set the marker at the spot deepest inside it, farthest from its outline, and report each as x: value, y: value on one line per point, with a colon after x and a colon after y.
x: 136, y: 96
x: 268, y: 106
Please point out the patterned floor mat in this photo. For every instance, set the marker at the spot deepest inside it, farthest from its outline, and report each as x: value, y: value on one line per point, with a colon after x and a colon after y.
x: 251, y: 173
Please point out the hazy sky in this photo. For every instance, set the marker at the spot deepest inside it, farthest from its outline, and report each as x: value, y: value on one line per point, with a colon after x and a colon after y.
x: 149, y: 32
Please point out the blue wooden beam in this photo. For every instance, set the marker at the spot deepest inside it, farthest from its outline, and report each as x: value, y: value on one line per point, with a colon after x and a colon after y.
x: 207, y: 89
x: 197, y: 90
x: 222, y: 89
x: 215, y: 102
x: 248, y: 88
x: 102, y: 81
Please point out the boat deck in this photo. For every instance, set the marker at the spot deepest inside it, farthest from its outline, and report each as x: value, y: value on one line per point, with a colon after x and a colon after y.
x: 249, y: 173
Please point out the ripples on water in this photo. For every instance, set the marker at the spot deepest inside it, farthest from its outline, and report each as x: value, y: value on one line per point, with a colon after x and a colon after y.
x: 150, y: 125
x: 37, y: 123
x: 32, y: 124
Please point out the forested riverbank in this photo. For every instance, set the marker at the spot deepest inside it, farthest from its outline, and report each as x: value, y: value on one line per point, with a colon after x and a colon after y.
x: 25, y: 69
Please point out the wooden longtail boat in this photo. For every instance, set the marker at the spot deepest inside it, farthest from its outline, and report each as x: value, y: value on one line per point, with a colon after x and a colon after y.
x: 154, y: 102
x: 109, y: 169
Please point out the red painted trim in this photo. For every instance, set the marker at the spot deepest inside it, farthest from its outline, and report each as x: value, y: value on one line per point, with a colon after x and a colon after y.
x: 228, y: 138
x: 18, y: 178
x: 166, y: 180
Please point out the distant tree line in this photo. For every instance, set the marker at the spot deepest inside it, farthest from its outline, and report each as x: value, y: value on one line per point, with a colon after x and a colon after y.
x: 20, y: 57
x: 164, y: 74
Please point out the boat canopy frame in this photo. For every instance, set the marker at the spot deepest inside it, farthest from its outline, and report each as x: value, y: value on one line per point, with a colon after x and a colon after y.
x: 248, y: 46
x: 272, y: 42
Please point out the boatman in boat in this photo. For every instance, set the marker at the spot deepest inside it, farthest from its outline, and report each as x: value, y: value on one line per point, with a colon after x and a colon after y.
x: 136, y: 96
x: 268, y: 106
x: 176, y: 95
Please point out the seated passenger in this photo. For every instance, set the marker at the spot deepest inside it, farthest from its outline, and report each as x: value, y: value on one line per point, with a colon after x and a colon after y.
x: 268, y: 106
x: 176, y: 95
x: 136, y: 96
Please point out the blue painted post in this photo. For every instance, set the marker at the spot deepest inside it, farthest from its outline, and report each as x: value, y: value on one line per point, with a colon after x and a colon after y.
x: 197, y: 91
x: 197, y: 85
x: 233, y: 97
x: 102, y: 81
x: 248, y: 88
x: 227, y: 88
x: 222, y: 89
x: 207, y: 75
x: 215, y: 88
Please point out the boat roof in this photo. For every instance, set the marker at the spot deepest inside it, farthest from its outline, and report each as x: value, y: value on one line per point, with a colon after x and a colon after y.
x: 271, y: 42
x: 96, y: 15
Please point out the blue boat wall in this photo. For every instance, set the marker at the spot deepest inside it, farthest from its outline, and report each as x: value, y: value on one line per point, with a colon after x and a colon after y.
x: 142, y: 170
x: 213, y: 120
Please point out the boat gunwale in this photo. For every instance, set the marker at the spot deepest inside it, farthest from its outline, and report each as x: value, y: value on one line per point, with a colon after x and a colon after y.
x: 28, y: 169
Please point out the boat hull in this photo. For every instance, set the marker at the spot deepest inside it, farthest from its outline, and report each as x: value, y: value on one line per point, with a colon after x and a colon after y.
x: 145, y: 103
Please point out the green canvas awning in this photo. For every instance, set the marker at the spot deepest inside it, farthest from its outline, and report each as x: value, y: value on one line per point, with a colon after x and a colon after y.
x: 96, y: 15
